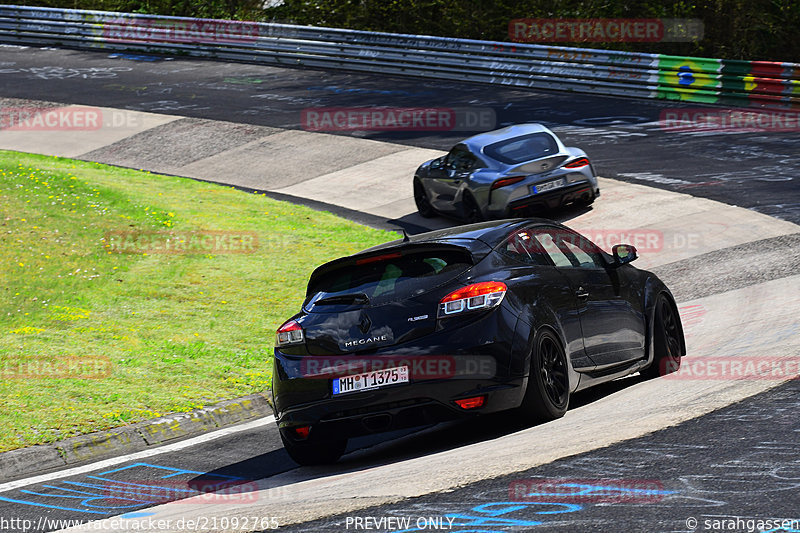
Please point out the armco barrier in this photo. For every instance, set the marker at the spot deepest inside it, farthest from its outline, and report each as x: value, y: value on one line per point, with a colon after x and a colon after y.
x: 728, y: 82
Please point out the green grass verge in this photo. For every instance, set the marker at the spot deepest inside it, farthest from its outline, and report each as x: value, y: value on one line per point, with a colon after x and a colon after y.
x: 178, y: 330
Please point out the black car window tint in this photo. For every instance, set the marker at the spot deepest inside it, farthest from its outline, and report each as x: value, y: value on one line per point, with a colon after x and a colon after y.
x: 437, y: 263
x: 398, y: 277
x: 454, y: 156
x: 388, y: 280
x: 341, y: 283
x: 522, y: 246
x: 462, y: 160
x: 549, y: 245
x: 467, y: 162
x: 524, y: 148
x: 583, y: 258
x: 582, y: 251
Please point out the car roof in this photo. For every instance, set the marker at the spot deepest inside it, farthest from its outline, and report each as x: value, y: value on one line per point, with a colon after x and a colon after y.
x: 477, y: 142
x: 479, y: 239
x: 490, y: 233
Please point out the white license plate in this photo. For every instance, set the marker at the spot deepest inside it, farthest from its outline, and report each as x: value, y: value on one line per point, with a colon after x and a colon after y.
x: 548, y: 186
x: 370, y: 380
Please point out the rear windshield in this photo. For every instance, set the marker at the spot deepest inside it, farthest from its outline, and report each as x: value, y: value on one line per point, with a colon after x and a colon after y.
x: 389, y: 278
x: 521, y: 149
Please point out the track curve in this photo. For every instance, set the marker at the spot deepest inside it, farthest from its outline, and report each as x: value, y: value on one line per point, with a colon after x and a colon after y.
x: 734, y: 269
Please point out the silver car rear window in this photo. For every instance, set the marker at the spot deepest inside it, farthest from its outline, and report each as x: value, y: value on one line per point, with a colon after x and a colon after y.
x: 522, y: 149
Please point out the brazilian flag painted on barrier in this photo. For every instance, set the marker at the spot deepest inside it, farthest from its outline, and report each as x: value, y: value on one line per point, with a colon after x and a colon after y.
x: 692, y: 79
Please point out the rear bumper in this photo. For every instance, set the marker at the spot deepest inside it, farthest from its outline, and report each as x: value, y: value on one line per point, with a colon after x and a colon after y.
x: 553, y: 199
x: 398, y: 407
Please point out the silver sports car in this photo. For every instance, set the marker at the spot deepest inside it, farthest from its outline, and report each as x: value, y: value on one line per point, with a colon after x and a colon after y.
x: 504, y: 174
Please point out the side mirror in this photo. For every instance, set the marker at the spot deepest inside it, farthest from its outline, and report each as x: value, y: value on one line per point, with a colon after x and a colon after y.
x: 437, y: 163
x: 623, y: 254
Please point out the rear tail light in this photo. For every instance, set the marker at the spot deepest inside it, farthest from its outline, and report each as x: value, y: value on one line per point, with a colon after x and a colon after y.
x: 578, y: 163
x: 506, y: 181
x: 289, y: 333
x: 483, y: 295
x: 471, y: 403
x: 301, y: 432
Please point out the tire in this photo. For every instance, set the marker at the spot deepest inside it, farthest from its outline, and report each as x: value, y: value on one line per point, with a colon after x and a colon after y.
x: 666, y: 340
x: 547, y: 393
x: 424, y: 206
x: 472, y: 213
x: 314, y: 453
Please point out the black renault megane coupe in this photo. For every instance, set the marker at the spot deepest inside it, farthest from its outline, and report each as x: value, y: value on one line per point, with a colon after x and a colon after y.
x: 511, y: 314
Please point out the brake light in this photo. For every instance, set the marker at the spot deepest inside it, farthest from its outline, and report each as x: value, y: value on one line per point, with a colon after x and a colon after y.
x: 377, y: 258
x: 301, y: 432
x: 483, y: 295
x: 471, y: 403
x: 506, y: 182
x: 289, y: 333
x: 578, y: 163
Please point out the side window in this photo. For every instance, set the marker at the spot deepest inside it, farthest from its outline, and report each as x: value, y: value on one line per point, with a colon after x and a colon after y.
x: 460, y: 159
x: 584, y: 252
x: 584, y: 259
x: 556, y: 246
x: 548, y: 243
x: 523, y: 246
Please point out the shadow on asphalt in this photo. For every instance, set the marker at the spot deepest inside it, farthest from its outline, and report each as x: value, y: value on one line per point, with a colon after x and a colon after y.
x: 451, y: 435
x: 414, y: 224
x: 387, y: 448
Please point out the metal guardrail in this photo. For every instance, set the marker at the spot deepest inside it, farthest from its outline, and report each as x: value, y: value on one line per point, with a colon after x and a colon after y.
x: 716, y: 81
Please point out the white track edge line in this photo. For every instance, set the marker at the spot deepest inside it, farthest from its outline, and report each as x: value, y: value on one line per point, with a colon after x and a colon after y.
x: 11, y: 485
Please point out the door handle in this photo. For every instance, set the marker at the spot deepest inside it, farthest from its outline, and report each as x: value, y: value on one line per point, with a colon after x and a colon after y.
x: 581, y: 293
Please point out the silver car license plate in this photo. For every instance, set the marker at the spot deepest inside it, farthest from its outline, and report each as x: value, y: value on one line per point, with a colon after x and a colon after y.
x: 539, y: 188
